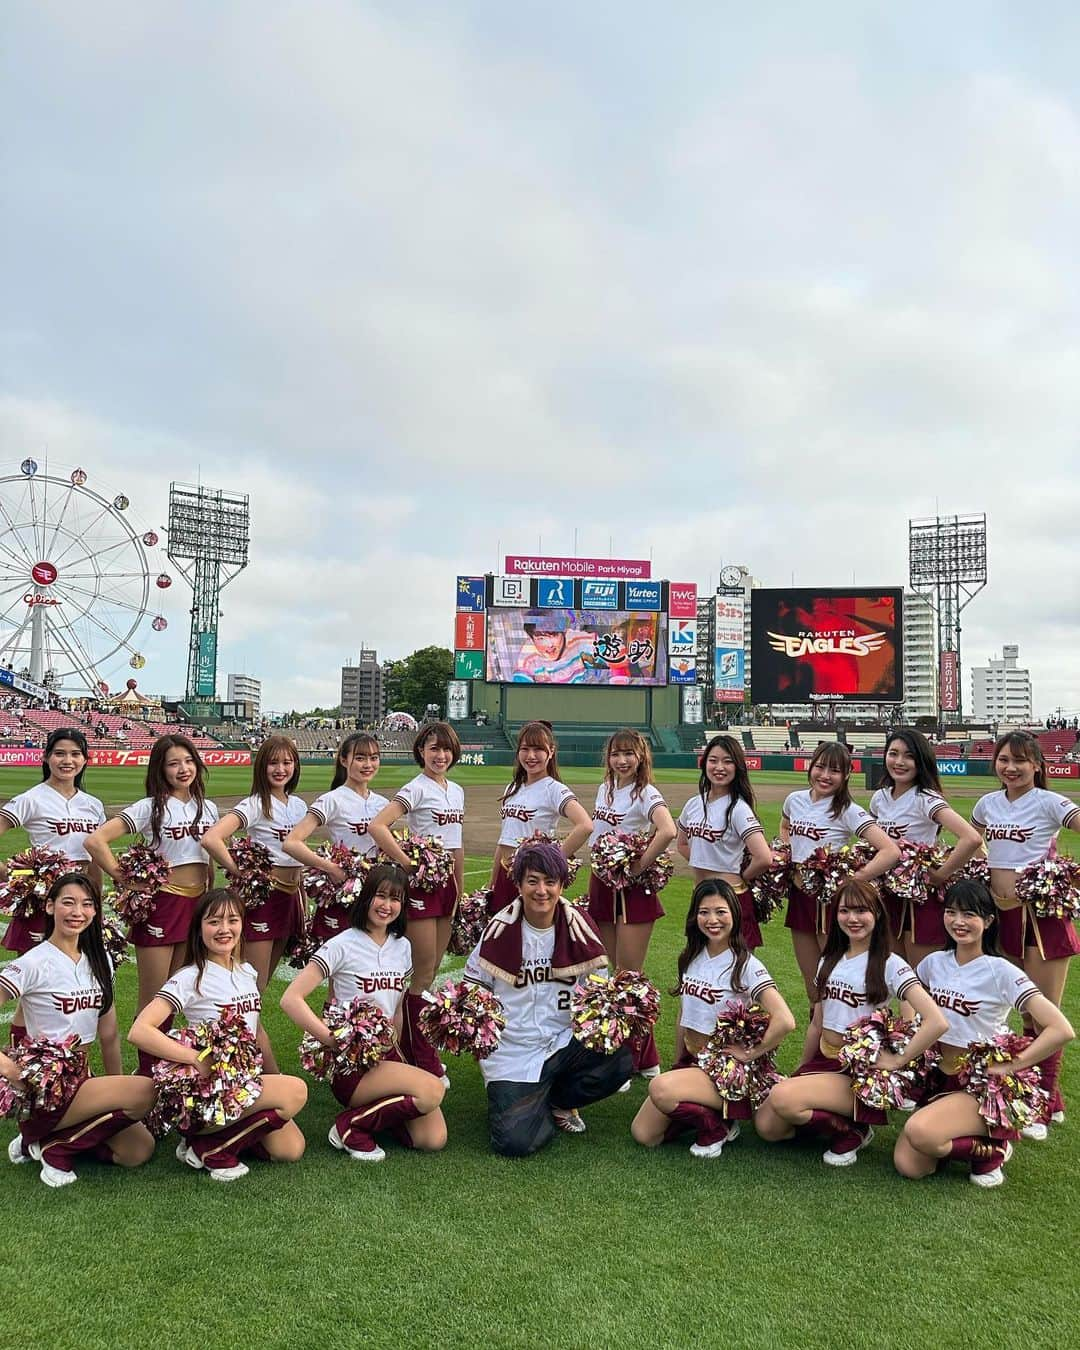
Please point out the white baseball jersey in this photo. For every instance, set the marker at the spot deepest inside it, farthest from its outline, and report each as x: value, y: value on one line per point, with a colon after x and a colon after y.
x: 58, y: 997
x: 1020, y: 832
x: 218, y: 989
x: 537, y: 1008
x: 271, y: 830
x: 714, y: 846
x: 975, y: 997
x: 54, y: 821
x: 622, y: 811
x: 181, y: 828
x: 912, y: 816
x: 347, y: 816
x: 432, y: 810
x: 844, y: 998
x: 813, y: 824
x: 706, y: 988
x: 357, y: 967
x: 534, y: 806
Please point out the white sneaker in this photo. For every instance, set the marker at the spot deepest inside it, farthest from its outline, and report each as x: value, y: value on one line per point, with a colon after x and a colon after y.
x: 1036, y: 1131
x: 851, y: 1156
x: 51, y: 1176
x: 16, y: 1152
x: 375, y: 1154
x: 908, y: 1104
x: 994, y: 1178
x: 714, y: 1150
x: 1058, y: 1118
x: 186, y: 1154
x: 228, y: 1173
x: 570, y: 1121
x: 445, y: 1080
x: 625, y: 1087
x: 652, y: 1072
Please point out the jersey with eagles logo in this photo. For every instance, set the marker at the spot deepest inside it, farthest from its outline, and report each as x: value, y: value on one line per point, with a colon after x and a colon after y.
x: 218, y: 989
x: 357, y: 967
x: 59, y: 997
x: 975, y: 997
x: 433, y: 810
x: 1020, y: 832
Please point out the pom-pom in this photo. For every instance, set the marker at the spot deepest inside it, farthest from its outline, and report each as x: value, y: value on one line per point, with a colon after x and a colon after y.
x: 362, y: 1035
x: 1009, y: 1101
x: 322, y: 889
x: 826, y: 869
x: 300, y: 950
x: 1052, y: 888
x: 114, y: 935
x: 470, y: 920
x: 432, y: 864
x: 909, y: 879
x: 193, y: 1101
x: 30, y: 874
x: 539, y: 837
x: 606, y: 1013
x: 12, y: 1098
x: 463, y: 1019
x: 740, y: 1026
x: 882, y: 1089
x: 50, y: 1073
x: 770, y: 890
x: 614, y: 853
x: 143, y: 872
x: 975, y: 869
x: 253, y: 881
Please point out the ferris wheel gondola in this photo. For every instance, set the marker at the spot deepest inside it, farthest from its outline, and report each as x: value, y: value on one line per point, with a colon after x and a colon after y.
x: 75, y: 580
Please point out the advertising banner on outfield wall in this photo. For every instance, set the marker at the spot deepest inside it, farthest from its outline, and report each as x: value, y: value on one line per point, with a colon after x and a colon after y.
x: 1063, y: 770
x: 468, y: 665
x: 949, y: 683
x: 730, y: 670
x: 469, y: 632
x: 682, y: 599
x: 18, y: 757
x: 471, y: 594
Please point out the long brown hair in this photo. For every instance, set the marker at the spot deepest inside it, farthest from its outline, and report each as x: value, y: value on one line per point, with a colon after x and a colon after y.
x: 359, y: 742
x: 91, y: 942
x: 260, y: 773
x: 858, y: 895
x: 1023, y: 745
x: 628, y: 739
x: 540, y: 736
x: 835, y: 756
x: 195, y: 953
x: 696, y: 941
x: 740, y: 784
x: 157, y: 785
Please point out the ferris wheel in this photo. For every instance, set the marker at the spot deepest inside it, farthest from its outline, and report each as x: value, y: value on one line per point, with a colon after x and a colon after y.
x: 77, y: 581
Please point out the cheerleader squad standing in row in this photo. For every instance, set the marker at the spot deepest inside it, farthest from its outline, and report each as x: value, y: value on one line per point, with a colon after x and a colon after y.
x: 955, y: 963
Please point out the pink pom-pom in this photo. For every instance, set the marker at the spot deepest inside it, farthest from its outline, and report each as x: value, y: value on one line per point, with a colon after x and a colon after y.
x: 1009, y: 1101
x: 909, y: 879
x: 362, y: 1035
x: 864, y: 1041
x: 323, y: 890
x: 114, y: 935
x: 432, y: 863
x: 463, y: 1018
x: 194, y: 1101
x: 253, y: 881
x: 606, y: 1013
x: 1052, y: 888
x: 614, y: 853
x: 143, y: 872
x: 50, y: 1073
x: 470, y: 920
x: 770, y: 890
x: 31, y: 873
x: 826, y: 869
x: 742, y: 1026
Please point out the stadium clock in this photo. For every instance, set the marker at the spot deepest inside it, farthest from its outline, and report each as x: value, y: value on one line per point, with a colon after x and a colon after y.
x: 731, y: 576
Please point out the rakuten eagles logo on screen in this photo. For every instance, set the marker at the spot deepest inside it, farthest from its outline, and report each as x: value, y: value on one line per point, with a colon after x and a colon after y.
x: 823, y: 643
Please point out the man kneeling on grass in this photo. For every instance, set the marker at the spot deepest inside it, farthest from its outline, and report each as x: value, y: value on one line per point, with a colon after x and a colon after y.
x: 531, y: 955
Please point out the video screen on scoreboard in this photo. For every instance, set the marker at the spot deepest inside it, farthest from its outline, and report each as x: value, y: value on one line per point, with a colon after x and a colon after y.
x: 576, y: 646
x: 826, y: 645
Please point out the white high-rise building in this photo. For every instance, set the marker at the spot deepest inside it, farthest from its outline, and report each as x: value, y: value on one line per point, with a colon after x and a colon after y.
x: 920, y: 658
x: 245, y: 689
x: 1001, y: 690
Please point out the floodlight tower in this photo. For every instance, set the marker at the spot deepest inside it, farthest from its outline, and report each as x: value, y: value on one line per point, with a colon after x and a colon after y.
x: 947, y: 566
x: 208, y: 542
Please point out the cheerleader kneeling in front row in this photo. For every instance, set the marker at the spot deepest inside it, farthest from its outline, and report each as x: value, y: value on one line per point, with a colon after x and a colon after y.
x: 715, y: 968
x: 857, y: 974
x: 65, y: 987
x: 975, y: 986
x: 372, y: 960
x: 212, y: 979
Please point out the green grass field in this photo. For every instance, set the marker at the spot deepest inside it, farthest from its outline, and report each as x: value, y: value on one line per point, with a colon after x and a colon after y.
x: 596, y: 1242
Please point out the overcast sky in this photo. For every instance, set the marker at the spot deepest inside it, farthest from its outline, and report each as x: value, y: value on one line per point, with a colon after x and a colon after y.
x: 437, y: 282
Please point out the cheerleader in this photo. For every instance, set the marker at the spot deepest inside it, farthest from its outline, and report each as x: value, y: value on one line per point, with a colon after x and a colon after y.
x: 1020, y: 824
x: 372, y: 959
x: 628, y: 801
x: 65, y: 988
x: 858, y: 972
x: 429, y: 804
x: 531, y: 955
x: 57, y: 815
x: 909, y: 805
x: 825, y: 816
x: 214, y: 978
x: 715, y: 967
x: 268, y: 816
x: 534, y: 800
x: 976, y: 987
x: 172, y: 818
x: 719, y: 823
x: 345, y: 813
